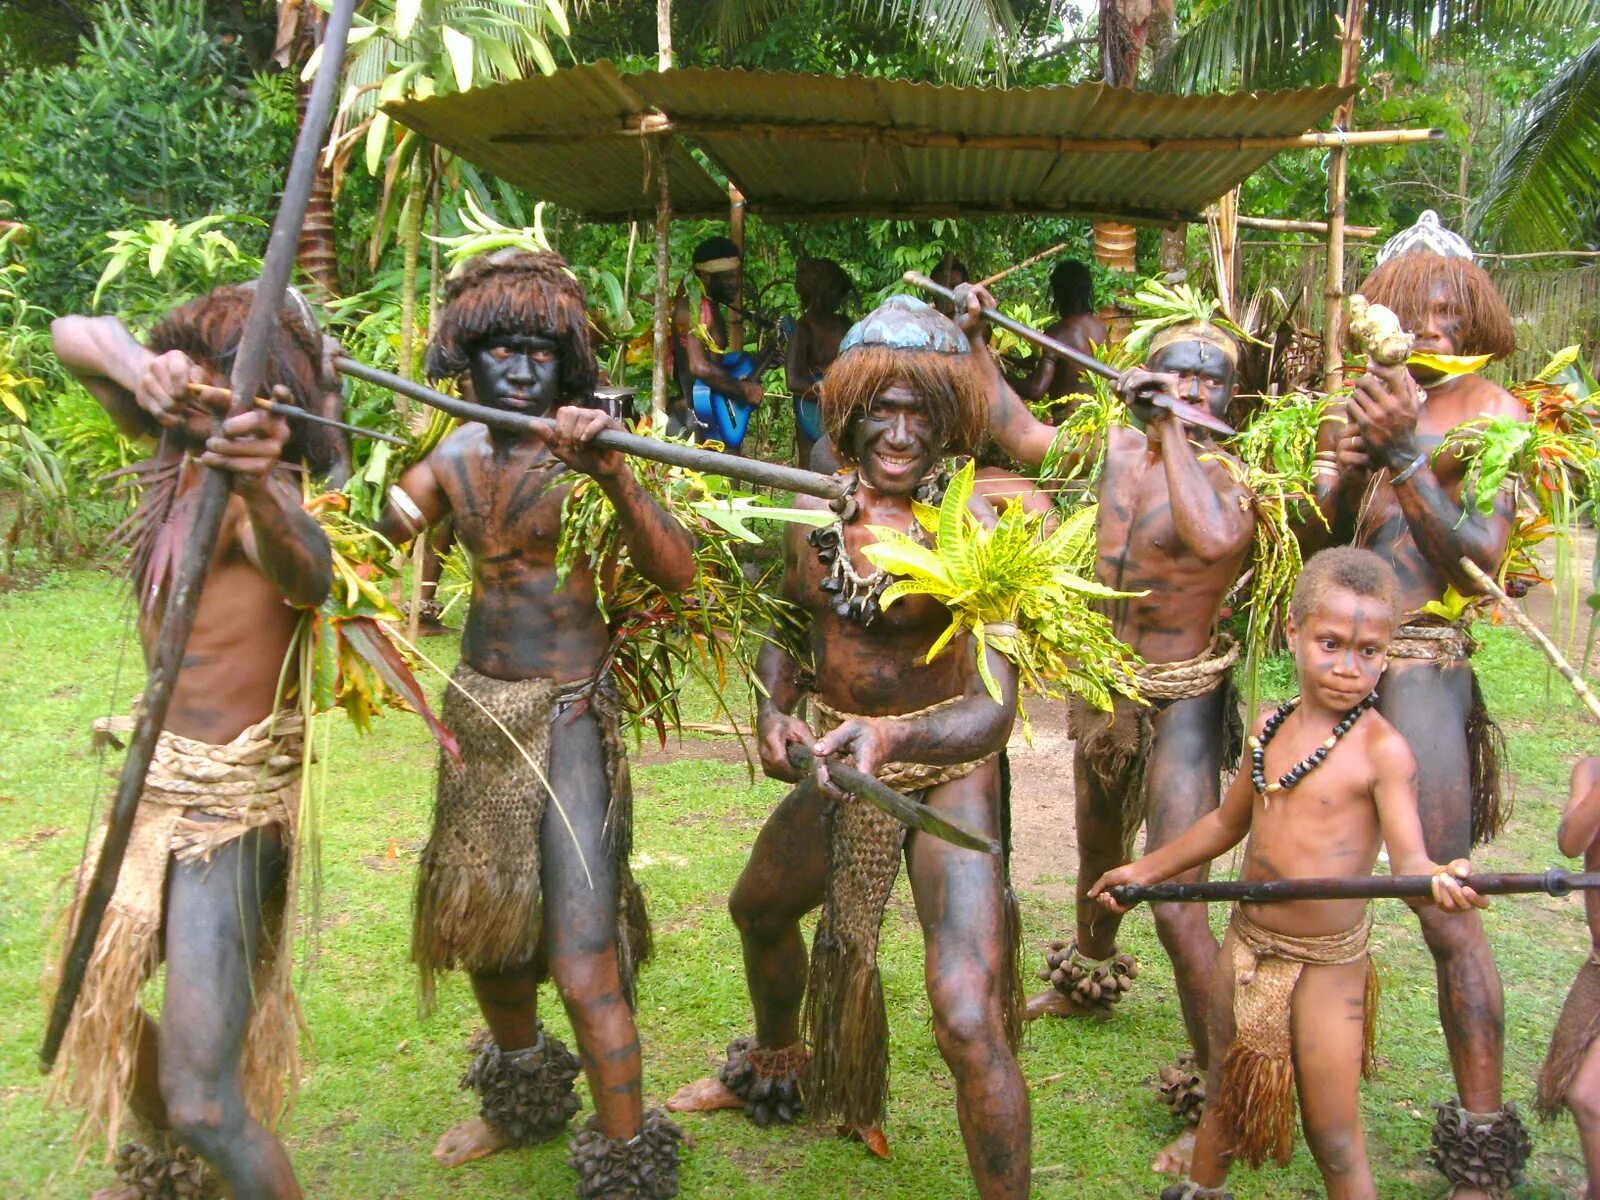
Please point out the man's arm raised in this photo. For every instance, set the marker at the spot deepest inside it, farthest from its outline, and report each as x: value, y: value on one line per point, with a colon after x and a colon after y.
x: 143, y: 392
x: 662, y: 549
x: 1212, y: 522
x: 1012, y: 425
x: 1384, y: 407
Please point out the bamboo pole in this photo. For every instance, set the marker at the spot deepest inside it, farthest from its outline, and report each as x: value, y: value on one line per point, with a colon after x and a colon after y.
x: 661, y: 348
x: 1278, y: 225
x: 736, y: 235
x: 1025, y: 263
x: 1521, y: 620
x: 861, y: 132
x: 1338, y: 177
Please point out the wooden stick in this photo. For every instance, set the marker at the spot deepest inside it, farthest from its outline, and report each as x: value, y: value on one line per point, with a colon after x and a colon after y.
x: 1283, y: 226
x: 1554, y: 882
x: 300, y: 414
x: 1189, y: 413
x: 172, y: 641
x: 1027, y: 262
x: 1521, y: 620
x: 748, y: 470
x: 1338, y: 177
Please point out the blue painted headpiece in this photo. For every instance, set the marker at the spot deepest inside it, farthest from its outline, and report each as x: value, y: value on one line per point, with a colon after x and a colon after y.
x: 906, y: 323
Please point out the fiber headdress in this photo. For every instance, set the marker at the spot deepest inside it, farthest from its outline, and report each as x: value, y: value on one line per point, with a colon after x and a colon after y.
x: 715, y: 255
x: 1427, y: 236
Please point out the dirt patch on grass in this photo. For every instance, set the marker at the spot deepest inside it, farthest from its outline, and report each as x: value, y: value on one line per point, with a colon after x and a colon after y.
x: 1044, y: 841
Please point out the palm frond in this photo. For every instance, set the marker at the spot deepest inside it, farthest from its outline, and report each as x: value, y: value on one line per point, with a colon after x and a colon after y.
x: 1546, y: 179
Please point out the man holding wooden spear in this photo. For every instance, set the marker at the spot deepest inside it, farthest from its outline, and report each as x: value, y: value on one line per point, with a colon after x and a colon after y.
x: 1392, y: 492
x: 526, y: 874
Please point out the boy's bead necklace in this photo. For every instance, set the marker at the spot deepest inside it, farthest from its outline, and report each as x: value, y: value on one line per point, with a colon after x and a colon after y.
x: 1258, y: 746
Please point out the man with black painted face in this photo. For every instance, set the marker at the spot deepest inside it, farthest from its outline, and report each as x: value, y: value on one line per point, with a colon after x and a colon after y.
x: 700, y: 339
x: 509, y: 890
x: 1392, y: 492
x: 1174, y: 526
x: 901, y: 396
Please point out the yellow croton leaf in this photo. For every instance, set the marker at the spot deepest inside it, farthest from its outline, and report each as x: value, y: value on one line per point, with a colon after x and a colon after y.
x: 1450, y: 606
x: 1449, y: 364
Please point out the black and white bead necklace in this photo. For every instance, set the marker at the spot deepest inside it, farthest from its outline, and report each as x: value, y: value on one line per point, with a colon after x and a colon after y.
x: 1258, y: 746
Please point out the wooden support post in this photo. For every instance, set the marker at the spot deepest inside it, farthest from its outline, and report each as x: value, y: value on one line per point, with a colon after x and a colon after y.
x: 663, y: 313
x: 1338, y: 175
x: 736, y: 234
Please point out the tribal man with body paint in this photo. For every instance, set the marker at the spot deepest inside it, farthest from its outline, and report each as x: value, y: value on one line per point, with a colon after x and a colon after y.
x: 902, y: 396
x: 1391, y: 490
x: 1174, y: 527
x: 526, y: 873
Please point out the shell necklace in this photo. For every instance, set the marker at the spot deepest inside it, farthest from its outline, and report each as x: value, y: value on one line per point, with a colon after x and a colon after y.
x: 1258, y: 746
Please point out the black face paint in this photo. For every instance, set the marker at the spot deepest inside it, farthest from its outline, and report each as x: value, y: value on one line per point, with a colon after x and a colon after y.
x: 894, y: 441
x: 1206, y: 376
x: 517, y: 372
x: 723, y: 286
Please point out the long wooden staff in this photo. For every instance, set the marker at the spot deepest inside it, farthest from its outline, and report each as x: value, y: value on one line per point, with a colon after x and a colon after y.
x: 1521, y: 620
x: 880, y: 795
x: 750, y: 470
x: 1189, y: 414
x: 1554, y: 882
x: 248, y: 369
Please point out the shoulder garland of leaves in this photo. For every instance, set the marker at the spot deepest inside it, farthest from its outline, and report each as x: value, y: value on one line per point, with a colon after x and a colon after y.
x: 1014, y: 588
x: 714, y: 631
x: 1272, y: 458
x: 1552, y: 455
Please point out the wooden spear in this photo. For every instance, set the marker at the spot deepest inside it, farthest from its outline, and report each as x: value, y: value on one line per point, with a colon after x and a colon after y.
x: 1188, y: 413
x: 750, y: 470
x: 1521, y: 620
x: 248, y: 369
x: 1554, y: 882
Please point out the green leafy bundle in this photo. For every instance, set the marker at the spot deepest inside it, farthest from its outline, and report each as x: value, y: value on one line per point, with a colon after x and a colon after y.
x: 714, y: 631
x: 1015, y: 588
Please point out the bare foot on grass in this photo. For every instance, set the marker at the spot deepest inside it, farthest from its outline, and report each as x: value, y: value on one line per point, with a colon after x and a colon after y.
x: 1176, y: 1157
x: 704, y: 1095
x: 1051, y: 1003
x: 468, y: 1141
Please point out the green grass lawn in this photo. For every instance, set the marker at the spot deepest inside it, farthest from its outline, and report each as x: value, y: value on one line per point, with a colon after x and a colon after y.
x: 380, y: 1083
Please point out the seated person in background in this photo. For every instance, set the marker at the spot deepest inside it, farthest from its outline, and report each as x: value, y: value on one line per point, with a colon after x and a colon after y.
x: 822, y: 286
x: 1072, y: 289
x: 1571, y: 1076
x: 700, y: 339
x: 1294, y: 1009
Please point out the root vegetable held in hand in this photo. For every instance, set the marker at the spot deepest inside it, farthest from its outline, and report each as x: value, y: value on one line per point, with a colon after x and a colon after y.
x: 1377, y: 330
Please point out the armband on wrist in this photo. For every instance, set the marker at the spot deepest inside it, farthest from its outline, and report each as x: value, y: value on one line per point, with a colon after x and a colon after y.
x: 407, y: 508
x: 1417, y: 464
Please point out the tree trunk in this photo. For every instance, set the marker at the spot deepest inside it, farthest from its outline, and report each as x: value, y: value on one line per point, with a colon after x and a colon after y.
x: 318, y: 255
x: 1125, y: 29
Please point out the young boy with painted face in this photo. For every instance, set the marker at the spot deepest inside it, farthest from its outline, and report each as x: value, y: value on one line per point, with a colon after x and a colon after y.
x: 509, y: 890
x: 1570, y: 1079
x: 1293, y: 1006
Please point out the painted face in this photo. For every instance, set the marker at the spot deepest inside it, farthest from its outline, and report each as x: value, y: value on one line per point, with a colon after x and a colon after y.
x: 1341, y: 650
x: 1439, y: 330
x: 894, y: 441
x: 723, y: 286
x: 1205, y: 376
x: 518, y: 372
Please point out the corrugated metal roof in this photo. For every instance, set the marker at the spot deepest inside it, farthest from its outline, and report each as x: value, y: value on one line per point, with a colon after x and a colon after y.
x: 832, y: 146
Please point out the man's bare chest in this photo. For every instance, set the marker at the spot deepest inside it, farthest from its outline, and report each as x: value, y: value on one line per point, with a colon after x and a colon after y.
x: 504, y: 504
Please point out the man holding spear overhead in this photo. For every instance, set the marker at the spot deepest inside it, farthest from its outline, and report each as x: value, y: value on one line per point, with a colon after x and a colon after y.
x: 207, y: 881
x: 1174, y: 526
x: 902, y: 395
x: 1393, y: 494
x: 526, y: 873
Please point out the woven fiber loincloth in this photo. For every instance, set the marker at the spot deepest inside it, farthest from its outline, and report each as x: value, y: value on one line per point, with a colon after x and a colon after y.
x: 846, y: 1025
x: 478, y: 902
x: 1420, y: 638
x: 1116, y: 745
x: 197, y: 798
x: 1577, y: 1027
x: 1258, y: 1101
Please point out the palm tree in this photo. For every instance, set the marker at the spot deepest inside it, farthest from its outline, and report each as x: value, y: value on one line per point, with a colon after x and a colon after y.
x: 1544, y: 190
x: 1127, y: 28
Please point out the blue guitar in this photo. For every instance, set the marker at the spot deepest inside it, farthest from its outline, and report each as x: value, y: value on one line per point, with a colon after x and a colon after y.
x: 726, y: 418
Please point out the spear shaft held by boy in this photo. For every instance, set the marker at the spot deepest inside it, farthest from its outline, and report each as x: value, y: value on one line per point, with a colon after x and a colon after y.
x: 173, y: 639
x: 1554, y: 882
x: 1189, y: 414
x: 709, y: 462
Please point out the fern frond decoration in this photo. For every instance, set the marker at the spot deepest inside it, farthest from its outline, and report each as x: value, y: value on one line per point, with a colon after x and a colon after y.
x: 1014, y: 588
